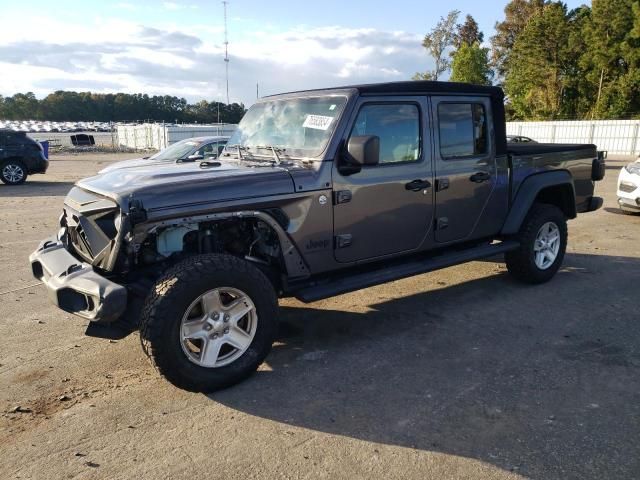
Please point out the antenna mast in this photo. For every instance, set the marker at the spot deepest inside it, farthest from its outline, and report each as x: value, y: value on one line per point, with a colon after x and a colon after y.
x: 226, y: 48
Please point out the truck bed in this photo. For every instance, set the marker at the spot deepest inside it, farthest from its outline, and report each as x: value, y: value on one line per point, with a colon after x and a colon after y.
x: 521, y: 149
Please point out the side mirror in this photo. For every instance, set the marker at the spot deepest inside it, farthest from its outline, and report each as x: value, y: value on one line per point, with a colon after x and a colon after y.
x: 364, y: 150
x: 193, y: 158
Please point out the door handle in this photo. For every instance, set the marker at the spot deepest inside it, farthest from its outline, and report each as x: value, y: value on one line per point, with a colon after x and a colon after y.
x: 417, y: 185
x: 480, y: 177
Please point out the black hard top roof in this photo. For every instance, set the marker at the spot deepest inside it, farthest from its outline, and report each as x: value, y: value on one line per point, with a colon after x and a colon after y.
x: 415, y: 86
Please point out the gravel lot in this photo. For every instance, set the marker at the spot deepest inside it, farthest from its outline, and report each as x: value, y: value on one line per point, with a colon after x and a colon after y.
x: 461, y: 373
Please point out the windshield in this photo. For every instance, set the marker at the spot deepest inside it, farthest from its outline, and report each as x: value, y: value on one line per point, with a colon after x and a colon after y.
x: 297, y: 126
x: 176, y: 151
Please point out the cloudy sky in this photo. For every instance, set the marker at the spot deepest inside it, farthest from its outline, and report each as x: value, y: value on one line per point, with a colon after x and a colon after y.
x: 176, y: 47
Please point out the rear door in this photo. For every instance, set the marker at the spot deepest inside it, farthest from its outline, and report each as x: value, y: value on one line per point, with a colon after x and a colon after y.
x: 386, y: 208
x: 464, y: 162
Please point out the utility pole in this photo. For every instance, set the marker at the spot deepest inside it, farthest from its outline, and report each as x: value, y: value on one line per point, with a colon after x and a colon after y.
x: 226, y: 48
x: 257, y: 92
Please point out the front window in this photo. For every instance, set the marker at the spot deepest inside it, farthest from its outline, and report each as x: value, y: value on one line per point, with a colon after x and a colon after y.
x: 211, y: 150
x: 397, y: 126
x: 176, y: 151
x: 298, y: 126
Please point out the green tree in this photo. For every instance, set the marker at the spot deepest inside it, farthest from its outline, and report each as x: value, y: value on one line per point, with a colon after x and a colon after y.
x: 612, y: 58
x: 578, y: 91
x: 436, y: 42
x: 87, y: 106
x: 471, y: 65
x: 540, y: 65
x: 517, y: 15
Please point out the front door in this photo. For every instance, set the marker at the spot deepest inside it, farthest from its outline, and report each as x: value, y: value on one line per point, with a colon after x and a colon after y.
x: 386, y: 208
x: 465, y: 164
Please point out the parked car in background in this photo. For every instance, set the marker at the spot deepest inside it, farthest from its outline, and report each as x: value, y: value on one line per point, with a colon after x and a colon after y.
x: 20, y: 156
x: 188, y: 150
x: 629, y: 188
x: 519, y: 139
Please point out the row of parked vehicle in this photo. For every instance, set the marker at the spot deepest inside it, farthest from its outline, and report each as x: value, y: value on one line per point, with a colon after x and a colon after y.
x: 40, y: 126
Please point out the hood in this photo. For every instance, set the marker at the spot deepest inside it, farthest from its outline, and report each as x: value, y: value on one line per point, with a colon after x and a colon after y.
x: 163, y: 186
x: 134, y: 162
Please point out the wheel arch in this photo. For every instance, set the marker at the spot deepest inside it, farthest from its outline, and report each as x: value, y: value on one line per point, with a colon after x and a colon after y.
x: 553, y: 188
x: 294, y: 264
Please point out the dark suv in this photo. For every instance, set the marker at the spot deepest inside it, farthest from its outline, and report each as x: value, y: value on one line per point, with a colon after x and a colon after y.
x: 316, y: 194
x: 20, y: 156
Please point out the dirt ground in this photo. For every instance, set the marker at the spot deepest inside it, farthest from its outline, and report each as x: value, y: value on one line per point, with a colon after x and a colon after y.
x: 461, y: 373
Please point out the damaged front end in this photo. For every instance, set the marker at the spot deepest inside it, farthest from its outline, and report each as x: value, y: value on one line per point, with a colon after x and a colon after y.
x: 75, y: 265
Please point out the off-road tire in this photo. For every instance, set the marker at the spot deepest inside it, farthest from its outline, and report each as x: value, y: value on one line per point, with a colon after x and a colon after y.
x: 171, y: 296
x: 521, y: 262
x: 16, y: 163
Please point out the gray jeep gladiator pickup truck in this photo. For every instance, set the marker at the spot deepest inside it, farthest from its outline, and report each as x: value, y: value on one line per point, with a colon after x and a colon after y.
x: 317, y: 193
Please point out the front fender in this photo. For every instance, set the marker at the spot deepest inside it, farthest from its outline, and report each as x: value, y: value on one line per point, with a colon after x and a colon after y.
x: 294, y: 263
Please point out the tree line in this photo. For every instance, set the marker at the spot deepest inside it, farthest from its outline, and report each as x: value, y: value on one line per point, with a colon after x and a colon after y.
x: 88, y: 106
x: 553, y: 63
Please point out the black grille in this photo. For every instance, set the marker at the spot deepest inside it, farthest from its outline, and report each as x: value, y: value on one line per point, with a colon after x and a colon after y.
x: 90, y: 222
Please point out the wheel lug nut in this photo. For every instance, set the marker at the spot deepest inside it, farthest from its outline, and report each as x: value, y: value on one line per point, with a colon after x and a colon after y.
x: 226, y: 317
x: 226, y: 330
x: 207, y: 327
x: 215, y: 335
x: 216, y: 316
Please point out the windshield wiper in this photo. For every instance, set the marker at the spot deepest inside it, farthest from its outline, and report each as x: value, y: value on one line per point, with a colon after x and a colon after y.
x: 275, y: 150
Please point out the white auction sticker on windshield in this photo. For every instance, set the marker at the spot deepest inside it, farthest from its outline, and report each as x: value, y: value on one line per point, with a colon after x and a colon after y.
x: 319, y: 122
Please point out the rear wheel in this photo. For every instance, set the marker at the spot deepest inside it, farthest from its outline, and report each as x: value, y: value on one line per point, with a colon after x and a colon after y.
x: 209, y: 322
x: 543, y: 242
x: 13, y: 172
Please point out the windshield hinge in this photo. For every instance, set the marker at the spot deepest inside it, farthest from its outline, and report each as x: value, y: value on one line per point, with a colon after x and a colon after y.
x: 137, y: 213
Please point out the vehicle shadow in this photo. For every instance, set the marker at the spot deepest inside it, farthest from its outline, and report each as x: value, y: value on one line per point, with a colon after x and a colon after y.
x: 541, y: 380
x: 35, y: 188
x: 617, y: 211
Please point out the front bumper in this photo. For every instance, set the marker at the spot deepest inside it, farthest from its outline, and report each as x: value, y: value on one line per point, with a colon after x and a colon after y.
x: 629, y: 190
x: 74, y: 286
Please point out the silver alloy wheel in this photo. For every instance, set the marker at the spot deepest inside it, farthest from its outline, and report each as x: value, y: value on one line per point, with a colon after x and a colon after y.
x: 13, y: 173
x: 547, y: 245
x: 218, y: 327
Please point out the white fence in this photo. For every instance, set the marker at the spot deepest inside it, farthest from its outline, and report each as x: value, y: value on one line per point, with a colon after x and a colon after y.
x: 157, y: 136
x: 620, y: 137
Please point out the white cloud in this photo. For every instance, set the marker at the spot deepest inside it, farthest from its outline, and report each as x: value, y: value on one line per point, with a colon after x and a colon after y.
x: 118, y: 55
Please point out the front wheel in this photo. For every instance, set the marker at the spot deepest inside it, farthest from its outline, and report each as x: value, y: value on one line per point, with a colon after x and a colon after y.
x: 13, y: 172
x: 543, y: 242
x: 209, y: 322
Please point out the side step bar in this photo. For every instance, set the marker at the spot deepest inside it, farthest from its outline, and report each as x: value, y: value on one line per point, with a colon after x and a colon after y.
x: 357, y: 281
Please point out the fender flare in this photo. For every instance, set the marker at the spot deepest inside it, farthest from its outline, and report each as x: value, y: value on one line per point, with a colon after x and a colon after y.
x: 527, y: 193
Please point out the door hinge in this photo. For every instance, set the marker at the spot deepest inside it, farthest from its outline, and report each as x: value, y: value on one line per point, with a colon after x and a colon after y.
x: 342, y: 196
x: 442, y: 223
x: 442, y: 184
x: 344, y: 240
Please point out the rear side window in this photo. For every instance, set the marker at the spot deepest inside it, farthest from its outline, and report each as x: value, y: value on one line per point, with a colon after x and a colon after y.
x: 463, y: 129
x: 397, y: 125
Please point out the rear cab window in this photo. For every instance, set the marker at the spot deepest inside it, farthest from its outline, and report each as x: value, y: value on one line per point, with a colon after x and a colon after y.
x: 463, y: 130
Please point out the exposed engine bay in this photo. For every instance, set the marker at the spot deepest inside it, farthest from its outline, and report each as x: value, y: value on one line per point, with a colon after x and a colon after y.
x: 249, y: 238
